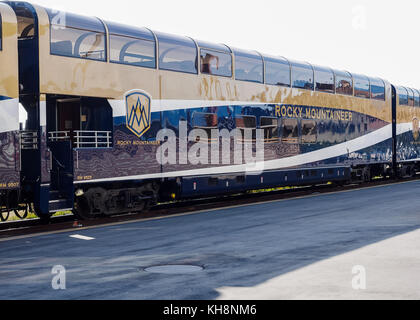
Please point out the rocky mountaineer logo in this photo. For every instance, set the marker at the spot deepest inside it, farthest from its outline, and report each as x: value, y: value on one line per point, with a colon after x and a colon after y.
x: 416, y: 129
x: 138, y: 106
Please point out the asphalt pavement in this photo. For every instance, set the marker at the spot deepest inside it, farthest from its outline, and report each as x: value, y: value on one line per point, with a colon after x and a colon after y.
x: 360, y: 244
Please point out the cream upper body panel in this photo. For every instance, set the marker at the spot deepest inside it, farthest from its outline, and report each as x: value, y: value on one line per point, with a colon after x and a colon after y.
x: 405, y: 112
x: 81, y: 77
x: 9, y: 81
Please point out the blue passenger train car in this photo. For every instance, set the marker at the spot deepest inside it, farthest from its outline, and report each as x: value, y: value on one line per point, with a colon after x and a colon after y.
x: 123, y: 117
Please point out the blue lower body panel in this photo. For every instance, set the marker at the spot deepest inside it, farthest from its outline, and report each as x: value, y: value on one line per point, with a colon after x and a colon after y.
x: 201, y: 186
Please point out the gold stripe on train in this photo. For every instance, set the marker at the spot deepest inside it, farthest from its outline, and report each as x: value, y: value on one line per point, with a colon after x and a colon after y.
x: 406, y: 114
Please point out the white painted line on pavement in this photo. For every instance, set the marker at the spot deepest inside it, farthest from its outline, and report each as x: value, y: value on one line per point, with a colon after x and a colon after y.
x: 77, y: 236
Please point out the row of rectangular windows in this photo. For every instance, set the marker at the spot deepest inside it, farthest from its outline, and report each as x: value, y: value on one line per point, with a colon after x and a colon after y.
x: 137, y: 47
x: 287, y: 131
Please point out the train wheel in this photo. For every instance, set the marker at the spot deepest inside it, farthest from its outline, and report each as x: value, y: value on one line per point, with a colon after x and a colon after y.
x: 24, y: 215
x: 406, y: 172
x: 90, y: 205
x: 82, y: 209
x: 412, y: 173
x: 3, y: 217
x: 367, y: 176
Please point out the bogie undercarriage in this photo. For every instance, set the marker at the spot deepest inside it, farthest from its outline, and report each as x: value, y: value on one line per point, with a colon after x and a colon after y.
x: 100, y: 201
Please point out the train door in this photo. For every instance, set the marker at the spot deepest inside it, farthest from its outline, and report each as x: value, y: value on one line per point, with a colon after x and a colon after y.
x: 63, y: 123
x: 68, y: 116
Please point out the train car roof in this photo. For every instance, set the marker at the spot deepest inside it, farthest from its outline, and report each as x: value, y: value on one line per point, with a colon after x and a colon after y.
x: 75, y: 21
x: 247, y: 53
x: 213, y: 46
x: 176, y: 39
x: 129, y: 31
x: 272, y: 58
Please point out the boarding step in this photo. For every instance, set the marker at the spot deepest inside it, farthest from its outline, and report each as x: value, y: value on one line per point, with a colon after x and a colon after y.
x: 60, y: 205
x: 56, y: 195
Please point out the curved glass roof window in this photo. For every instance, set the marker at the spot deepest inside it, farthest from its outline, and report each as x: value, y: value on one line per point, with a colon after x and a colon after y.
x: 177, y: 53
x: 324, y: 79
x: 77, y: 36
x: 403, y: 96
x: 132, y: 46
x: 343, y: 83
x: 213, y: 46
x: 377, y: 87
x: 410, y: 97
x: 302, y: 76
x: 361, y: 86
x: 215, y: 59
x: 416, y: 98
x: 249, y: 66
x: 277, y: 71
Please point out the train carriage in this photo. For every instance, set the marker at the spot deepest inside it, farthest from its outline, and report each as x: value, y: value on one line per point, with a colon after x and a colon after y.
x: 124, y: 117
x: 407, y: 114
x: 9, y: 113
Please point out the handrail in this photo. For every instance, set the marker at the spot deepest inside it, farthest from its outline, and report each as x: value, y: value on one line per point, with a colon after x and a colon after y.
x: 56, y: 136
x: 93, y: 139
x: 83, y: 139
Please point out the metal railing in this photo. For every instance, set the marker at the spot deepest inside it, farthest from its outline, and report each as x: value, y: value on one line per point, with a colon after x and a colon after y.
x: 83, y: 139
x: 92, y: 139
x: 28, y: 140
x: 57, y: 136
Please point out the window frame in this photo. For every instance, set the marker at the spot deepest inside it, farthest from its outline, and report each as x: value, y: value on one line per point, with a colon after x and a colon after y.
x: 293, y: 140
x: 204, y: 113
x: 271, y: 140
x: 374, y: 80
x: 129, y: 32
x: 399, y: 96
x: 343, y: 75
x: 277, y: 60
x: 249, y: 55
x: 130, y: 64
x: 411, y: 97
x: 242, y: 129
x: 174, y: 38
x: 302, y: 65
x: 216, y: 51
x: 102, y: 31
x: 245, y: 116
x: 80, y: 57
x: 361, y: 77
x: 324, y: 70
x: 418, y: 96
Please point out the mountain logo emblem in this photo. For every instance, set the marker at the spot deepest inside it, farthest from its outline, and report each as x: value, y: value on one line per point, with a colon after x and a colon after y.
x: 139, y: 112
